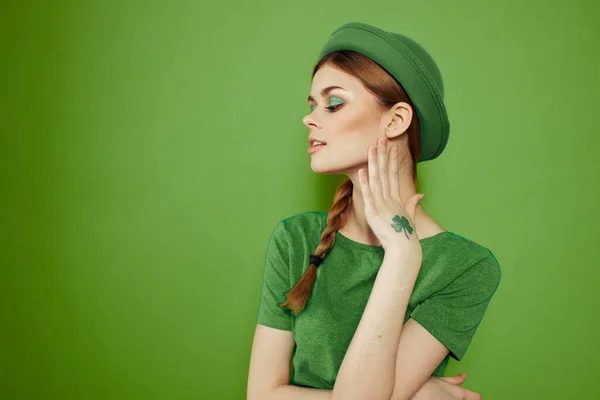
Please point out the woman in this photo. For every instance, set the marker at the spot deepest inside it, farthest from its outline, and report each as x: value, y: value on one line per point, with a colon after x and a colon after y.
x: 371, y: 299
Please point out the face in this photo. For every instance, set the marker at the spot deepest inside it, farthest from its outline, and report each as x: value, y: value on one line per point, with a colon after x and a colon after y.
x: 346, y: 118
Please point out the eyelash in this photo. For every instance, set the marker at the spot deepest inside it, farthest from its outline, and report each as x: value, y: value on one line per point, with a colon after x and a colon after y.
x: 333, y: 108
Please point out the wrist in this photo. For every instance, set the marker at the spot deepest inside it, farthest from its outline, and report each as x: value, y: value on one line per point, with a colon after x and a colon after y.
x: 405, y: 256
x: 401, y: 265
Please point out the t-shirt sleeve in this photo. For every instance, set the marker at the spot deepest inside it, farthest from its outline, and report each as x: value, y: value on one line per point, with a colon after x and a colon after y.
x: 276, y: 282
x: 453, y: 314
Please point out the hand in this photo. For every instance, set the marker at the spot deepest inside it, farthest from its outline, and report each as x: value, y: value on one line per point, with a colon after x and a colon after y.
x: 390, y: 220
x: 445, y: 388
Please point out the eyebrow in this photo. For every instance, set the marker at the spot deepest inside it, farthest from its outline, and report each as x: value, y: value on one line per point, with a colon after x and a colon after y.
x: 325, y: 91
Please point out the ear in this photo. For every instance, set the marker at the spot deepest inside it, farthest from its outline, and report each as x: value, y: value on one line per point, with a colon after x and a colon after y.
x: 399, y: 118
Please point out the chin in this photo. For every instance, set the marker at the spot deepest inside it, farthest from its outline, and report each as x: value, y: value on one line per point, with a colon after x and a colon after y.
x: 321, y: 165
x: 324, y: 167
x: 345, y: 163
x: 321, y: 169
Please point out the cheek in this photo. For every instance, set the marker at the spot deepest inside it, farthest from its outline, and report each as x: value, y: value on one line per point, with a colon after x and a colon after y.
x: 356, y: 134
x: 355, y: 127
x: 351, y: 147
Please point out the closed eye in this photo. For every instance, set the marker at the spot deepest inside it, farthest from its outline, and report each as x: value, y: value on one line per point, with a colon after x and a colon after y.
x: 333, y: 108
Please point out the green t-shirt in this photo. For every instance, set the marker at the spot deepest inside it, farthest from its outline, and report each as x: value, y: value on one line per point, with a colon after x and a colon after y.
x: 457, y: 280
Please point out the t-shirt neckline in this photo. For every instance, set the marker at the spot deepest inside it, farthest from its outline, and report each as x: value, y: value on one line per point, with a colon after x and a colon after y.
x: 347, y: 242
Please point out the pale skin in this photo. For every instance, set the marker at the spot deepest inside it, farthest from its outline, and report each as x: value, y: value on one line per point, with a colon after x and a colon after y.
x: 386, y: 359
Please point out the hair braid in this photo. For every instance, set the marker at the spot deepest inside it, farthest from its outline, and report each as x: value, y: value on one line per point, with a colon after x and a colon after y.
x: 336, y: 219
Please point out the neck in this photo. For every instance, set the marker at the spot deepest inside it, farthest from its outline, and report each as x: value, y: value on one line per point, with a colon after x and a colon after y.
x: 357, y: 224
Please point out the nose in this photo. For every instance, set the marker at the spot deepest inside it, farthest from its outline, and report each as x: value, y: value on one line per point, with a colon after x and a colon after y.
x: 309, y: 121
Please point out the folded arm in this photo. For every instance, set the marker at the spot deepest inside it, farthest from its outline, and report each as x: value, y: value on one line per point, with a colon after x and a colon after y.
x: 269, y: 372
x: 368, y: 369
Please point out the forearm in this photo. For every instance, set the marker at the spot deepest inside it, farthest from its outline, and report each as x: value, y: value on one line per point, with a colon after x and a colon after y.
x: 368, y: 367
x: 290, y: 392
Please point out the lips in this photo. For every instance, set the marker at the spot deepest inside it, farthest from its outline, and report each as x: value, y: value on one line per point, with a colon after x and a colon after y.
x: 313, y: 149
x: 311, y: 140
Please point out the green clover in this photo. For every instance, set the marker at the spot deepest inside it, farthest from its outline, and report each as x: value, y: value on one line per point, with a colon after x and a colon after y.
x: 401, y: 223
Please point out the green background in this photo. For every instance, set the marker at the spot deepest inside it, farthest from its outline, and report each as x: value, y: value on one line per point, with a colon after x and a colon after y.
x: 149, y: 148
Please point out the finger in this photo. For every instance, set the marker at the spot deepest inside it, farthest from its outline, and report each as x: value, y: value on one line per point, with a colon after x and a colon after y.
x: 393, y: 172
x: 366, y: 192
x: 411, y: 205
x: 455, y: 380
x: 382, y: 159
x: 470, y: 395
x: 374, y: 174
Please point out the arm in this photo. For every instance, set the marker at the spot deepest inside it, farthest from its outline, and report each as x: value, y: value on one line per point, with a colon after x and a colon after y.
x: 269, y: 373
x: 419, y: 354
x: 444, y: 323
x: 368, y: 368
x: 290, y: 392
x: 273, y: 345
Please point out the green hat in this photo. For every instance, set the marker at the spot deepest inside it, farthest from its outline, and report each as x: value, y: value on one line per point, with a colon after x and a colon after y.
x: 410, y: 64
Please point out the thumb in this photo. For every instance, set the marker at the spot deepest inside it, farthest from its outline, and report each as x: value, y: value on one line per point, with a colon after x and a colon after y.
x: 411, y: 205
x: 456, y: 380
